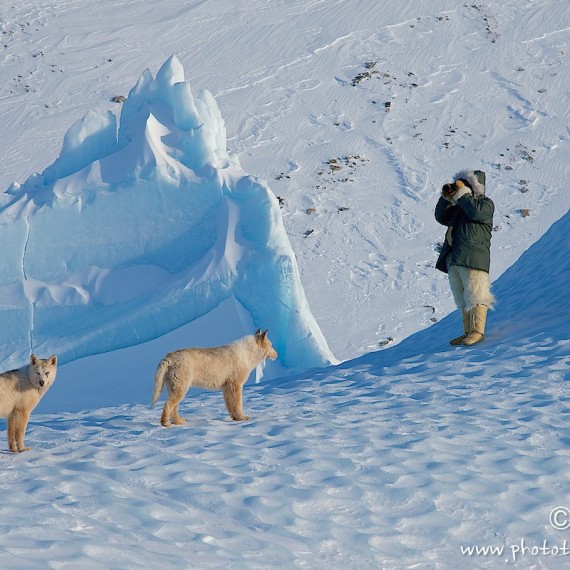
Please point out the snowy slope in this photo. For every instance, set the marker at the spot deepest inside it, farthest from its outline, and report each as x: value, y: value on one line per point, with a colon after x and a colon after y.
x: 398, y: 459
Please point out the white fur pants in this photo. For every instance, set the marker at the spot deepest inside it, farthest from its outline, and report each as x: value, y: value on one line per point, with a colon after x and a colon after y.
x: 470, y: 287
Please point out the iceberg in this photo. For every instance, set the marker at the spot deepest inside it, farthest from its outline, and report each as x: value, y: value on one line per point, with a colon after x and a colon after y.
x: 143, y: 224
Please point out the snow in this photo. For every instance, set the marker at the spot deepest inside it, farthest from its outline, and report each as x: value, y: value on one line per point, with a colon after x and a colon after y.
x: 397, y: 457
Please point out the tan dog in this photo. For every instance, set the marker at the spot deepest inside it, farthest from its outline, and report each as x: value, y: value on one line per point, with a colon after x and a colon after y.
x: 224, y: 368
x: 20, y: 392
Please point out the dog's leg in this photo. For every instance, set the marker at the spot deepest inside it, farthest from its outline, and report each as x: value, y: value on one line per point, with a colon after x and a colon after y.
x: 166, y: 411
x: 21, y: 423
x: 170, y: 409
x: 12, y: 444
x: 176, y: 419
x: 234, y: 400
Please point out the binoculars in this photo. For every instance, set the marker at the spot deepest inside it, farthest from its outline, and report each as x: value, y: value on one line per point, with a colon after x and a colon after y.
x: 449, y: 188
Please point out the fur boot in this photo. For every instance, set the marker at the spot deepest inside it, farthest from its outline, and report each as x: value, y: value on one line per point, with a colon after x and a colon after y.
x: 478, y: 318
x: 466, y: 329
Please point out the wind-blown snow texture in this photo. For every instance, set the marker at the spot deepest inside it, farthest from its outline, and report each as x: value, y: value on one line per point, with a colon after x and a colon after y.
x: 130, y: 234
x: 397, y: 459
x: 405, y: 457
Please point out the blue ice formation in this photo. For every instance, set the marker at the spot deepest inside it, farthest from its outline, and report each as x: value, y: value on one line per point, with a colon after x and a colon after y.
x: 143, y: 224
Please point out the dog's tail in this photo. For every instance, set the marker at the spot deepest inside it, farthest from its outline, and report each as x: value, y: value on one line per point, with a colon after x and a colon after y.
x: 159, y: 380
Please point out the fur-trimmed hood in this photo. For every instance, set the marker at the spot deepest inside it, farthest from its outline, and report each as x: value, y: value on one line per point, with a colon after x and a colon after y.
x: 475, y: 179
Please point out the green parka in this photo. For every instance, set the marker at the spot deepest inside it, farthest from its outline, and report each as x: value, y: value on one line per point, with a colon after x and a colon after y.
x: 471, y: 223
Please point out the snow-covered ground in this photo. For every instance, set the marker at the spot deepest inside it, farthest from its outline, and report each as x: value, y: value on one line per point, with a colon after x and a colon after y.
x: 397, y: 458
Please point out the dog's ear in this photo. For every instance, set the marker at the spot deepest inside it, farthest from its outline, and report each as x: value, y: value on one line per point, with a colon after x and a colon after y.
x: 264, y: 335
x: 53, y: 360
x: 258, y: 332
x: 33, y: 359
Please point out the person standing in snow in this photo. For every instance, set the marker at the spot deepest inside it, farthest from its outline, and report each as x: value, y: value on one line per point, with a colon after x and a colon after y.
x: 466, y: 252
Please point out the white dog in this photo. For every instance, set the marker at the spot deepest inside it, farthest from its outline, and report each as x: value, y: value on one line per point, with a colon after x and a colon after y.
x: 20, y: 392
x: 224, y: 368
